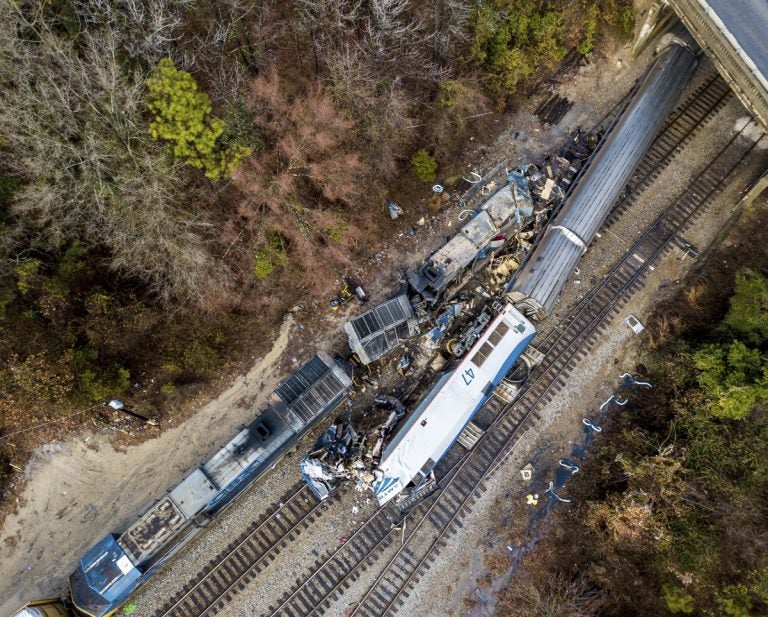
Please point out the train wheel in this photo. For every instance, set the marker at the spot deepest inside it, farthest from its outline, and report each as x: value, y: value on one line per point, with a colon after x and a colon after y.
x: 451, y: 345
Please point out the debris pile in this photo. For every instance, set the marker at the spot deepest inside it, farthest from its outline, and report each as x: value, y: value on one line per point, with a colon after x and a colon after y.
x: 434, y: 312
x: 324, y: 467
x: 342, y: 452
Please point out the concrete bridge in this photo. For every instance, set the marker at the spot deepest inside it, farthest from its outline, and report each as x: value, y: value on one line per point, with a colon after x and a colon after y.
x: 734, y: 34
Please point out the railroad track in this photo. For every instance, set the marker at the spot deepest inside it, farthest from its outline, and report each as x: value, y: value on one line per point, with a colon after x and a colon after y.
x: 433, y: 521
x: 246, y: 556
x: 685, y: 122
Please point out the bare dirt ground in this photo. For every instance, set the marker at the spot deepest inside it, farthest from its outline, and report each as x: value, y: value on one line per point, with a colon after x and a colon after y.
x: 79, y: 490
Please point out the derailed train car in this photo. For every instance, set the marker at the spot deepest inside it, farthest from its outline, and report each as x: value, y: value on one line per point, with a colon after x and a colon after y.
x: 436, y: 423
x: 469, y: 250
x: 120, y: 563
x: 536, y: 286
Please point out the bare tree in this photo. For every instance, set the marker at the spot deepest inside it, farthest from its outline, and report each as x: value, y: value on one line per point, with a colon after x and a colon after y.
x: 145, y: 29
x: 560, y: 597
x: 72, y: 123
x: 398, y: 42
x: 330, y: 25
x: 450, y: 29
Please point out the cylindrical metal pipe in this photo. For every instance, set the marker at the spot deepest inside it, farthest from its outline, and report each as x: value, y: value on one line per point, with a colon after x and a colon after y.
x: 542, y: 277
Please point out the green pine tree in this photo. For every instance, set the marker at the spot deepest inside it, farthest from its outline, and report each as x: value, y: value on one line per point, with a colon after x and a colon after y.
x: 183, y: 117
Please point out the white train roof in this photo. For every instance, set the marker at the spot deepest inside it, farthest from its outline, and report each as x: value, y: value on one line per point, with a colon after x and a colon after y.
x: 439, y: 419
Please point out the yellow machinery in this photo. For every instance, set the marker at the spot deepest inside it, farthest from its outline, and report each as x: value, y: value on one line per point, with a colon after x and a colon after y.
x: 44, y: 608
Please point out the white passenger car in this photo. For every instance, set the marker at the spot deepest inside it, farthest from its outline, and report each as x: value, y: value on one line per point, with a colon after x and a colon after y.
x: 439, y: 419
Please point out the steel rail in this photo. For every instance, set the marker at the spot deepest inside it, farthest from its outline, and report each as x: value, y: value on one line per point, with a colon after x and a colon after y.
x: 243, y: 556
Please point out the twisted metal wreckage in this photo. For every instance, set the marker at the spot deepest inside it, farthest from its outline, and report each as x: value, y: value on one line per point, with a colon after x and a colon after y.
x: 439, y: 324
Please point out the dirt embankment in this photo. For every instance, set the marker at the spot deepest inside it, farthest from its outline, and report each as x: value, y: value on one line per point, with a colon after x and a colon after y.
x: 79, y: 490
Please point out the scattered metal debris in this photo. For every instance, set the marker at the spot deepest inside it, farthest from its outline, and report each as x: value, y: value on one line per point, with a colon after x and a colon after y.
x: 344, y: 452
x: 613, y: 399
x: 591, y: 426
x: 395, y: 211
x: 351, y: 289
x: 634, y: 323
x: 527, y: 472
x: 628, y: 381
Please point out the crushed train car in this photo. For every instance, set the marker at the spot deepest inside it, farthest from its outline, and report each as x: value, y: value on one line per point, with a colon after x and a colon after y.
x: 380, y: 330
x: 345, y: 452
x: 326, y: 465
x: 486, y: 232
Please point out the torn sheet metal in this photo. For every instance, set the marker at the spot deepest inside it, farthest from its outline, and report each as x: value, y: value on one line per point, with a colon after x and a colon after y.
x: 489, y: 230
x: 344, y: 452
x: 325, y: 466
x: 443, y: 323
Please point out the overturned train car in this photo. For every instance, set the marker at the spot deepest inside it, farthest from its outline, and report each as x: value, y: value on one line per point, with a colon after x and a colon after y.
x: 536, y: 286
x: 438, y: 420
x: 120, y: 563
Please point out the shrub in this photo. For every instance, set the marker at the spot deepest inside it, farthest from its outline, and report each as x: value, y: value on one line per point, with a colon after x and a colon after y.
x: 512, y: 40
x: 262, y: 265
x: 200, y: 358
x: 627, y: 22
x: 735, y: 601
x: 72, y: 264
x: 26, y: 273
x: 748, y: 313
x: 241, y: 130
x: 424, y: 166
x: 98, y: 388
x: 182, y: 116
x: 677, y: 600
x: 7, y: 296
x: 588, y: 41
x: 338, y: 231
x: 274, y: 254
x: 449, y: 94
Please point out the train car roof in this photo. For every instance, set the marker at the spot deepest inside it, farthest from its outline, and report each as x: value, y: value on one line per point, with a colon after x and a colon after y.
x: 153, y: 529
x: 317, y: 385
x: 116, y: 565
x: 380, y: 329
x: 480, y: 229
x: 439, y: 419
x: 104, y: 578
x: 513, y: 197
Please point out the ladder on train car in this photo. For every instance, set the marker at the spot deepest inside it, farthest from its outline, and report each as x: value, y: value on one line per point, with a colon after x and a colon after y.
x: 427, y: 488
